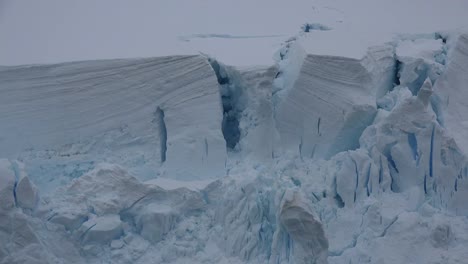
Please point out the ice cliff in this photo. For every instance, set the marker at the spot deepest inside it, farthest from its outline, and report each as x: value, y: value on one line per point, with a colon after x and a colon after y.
x: 141, y: 113
x: 318, y: 159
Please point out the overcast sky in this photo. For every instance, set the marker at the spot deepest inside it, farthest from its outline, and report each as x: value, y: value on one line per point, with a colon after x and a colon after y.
x: 45, y: 31
x: 59, y: 30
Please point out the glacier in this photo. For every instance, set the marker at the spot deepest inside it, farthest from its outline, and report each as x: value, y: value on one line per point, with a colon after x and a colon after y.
x: 323, y: 157
x: 79, y: 113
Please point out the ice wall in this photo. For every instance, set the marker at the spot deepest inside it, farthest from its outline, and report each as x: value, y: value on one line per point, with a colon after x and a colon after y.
x: 327, y: 101
x: 451, y: 91
x: 136, y: 111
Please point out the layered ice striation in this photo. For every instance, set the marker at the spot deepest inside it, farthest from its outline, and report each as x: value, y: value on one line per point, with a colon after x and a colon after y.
x: 325, y: 102
x: 450, y: 91
x: 317, y: 159
x: 140, y: 113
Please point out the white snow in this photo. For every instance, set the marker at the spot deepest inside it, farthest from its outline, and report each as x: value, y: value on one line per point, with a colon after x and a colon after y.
x: 347, y: 146
x: 171, y: 184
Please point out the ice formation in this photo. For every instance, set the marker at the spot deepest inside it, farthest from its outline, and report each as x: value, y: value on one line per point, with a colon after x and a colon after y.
x: 78, y: 112
x: 183, y: 159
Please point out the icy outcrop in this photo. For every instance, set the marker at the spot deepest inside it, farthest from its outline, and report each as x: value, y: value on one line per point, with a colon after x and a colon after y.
x: 419, y: 152
x: 419, y: 59
x: 451, y: 91
x: 102, y: 229
x: 26, y: 193
x: 16, y: 188
x: 21, y: 234
x: 136, y: 112
x: 310, y: 243
x: 7, y: 185
x: 257, y: 136
x: 327, y: 101
x: 155, y: 222
x: 425, y: 92
x: 358, y: 175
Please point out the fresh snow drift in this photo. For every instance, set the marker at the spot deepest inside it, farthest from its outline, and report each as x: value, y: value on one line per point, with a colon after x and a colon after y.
x: 350, y: 148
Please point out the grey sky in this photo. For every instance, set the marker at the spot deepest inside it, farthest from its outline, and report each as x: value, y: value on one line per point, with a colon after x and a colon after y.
x: 55, y: 30
x: 63, y: 30
x: 47, y: 31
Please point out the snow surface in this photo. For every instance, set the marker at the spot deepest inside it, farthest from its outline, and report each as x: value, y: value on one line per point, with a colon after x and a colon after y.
x: 349, y: 148
x: 58, y: 31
